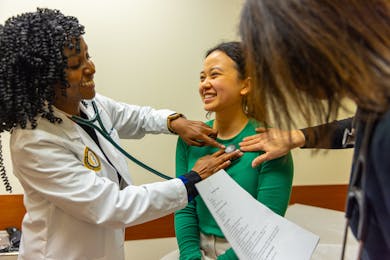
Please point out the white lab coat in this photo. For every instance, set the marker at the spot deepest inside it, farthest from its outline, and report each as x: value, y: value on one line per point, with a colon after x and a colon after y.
x: 75, y: 209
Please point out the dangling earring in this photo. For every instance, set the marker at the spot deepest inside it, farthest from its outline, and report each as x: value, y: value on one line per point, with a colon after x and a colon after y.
x: 245, y: 108
x: 209, y: 114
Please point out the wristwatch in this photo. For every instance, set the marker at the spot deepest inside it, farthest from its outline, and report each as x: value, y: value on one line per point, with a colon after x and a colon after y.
x: 172, y: 117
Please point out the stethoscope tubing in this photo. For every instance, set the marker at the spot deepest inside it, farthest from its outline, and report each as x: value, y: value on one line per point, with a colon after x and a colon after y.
x: 102, y: 130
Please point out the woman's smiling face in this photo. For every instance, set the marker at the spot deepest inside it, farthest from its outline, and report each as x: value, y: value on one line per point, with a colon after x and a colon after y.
x: 79, y: 72
x: 220, y: 86
x: 79, y: 75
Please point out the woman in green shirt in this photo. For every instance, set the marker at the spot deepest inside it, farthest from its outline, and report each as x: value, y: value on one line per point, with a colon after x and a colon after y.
x: 223, y: 88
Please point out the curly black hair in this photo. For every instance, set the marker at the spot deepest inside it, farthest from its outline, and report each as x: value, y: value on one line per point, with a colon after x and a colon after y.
x: 32, y: 62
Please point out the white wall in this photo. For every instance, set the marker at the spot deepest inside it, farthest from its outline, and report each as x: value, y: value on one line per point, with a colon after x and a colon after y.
x: 150, y: 52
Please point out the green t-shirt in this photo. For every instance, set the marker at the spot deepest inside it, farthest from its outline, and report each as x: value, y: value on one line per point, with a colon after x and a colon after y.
x: 270, y: 183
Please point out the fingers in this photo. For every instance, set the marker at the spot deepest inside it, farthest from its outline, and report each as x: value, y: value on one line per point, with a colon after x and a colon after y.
x: 225, y: 159
x: 259, y: 159
x: 194, y: 142
x: 252, y: 145
x: 262, y: 133
x: 247, y: 142
x: 211, y: 142
x: 197, y: 133
x: 209, y: 131
x: 250, y: 138
x: 209, y: 164
x: 261, y: 129
x: 222, y: 159
x: 223, y: 165
x: 205, y: 141
x: 255, y: 142
x: 218, y: 153
x: 208, y: 137
x: 230, y: 156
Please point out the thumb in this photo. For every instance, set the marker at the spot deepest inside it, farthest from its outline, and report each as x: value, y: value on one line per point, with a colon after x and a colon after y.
x: 261, y: 129
x: 259, y: 159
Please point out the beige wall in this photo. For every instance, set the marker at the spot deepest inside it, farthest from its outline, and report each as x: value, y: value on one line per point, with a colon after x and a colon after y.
x: 149, y: 52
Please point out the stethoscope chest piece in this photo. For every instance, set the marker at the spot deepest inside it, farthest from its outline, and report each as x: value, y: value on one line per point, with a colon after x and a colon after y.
x: 230, y: 148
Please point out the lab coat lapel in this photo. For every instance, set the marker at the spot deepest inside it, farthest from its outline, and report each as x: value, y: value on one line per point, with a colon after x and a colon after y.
x: 111, y: 152
x: 116, y: 158
x: 77, y: 133
x: 87, y: 139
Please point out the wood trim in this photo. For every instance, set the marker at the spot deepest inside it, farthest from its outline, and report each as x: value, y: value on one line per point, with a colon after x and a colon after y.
x: 325, y: 196
x: 159, y: 228
x: 12, y: 211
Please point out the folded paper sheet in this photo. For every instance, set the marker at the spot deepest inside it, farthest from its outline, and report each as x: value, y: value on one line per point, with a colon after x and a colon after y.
x: 254, y: 231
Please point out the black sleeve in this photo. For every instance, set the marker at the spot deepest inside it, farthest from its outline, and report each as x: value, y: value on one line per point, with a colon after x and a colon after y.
x: 189, y: 180
x: 327, y: 136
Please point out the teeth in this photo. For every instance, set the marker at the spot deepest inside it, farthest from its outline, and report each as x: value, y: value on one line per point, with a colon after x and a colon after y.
x: 87, y: 84
x: 208, y: 96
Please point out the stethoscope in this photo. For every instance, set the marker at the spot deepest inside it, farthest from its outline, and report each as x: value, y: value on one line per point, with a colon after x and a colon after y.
x: 103, y: 131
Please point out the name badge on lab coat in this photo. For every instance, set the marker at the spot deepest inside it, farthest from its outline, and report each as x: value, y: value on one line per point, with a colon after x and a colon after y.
x: 91, y: 160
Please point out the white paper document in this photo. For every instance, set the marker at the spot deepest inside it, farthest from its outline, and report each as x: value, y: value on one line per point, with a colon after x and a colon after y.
x: 254, y: 231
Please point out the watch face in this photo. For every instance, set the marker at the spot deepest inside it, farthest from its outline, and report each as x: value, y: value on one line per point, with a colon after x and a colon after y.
x: 230, y: 148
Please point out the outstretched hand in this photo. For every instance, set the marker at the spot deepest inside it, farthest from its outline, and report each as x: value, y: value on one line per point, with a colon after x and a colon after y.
x: 210, y: 164
x: 274, y: 142
x: 195, y: 133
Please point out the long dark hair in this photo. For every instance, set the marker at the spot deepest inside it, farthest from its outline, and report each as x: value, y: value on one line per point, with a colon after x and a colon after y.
x: 31, y: 63
x: 301, y: 51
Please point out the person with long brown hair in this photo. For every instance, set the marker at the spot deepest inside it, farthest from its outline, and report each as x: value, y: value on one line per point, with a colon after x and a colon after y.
x: 305, y: 57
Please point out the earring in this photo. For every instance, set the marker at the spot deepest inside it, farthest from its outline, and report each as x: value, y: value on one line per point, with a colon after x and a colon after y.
x: 246, y: 110
x: 245, y: 107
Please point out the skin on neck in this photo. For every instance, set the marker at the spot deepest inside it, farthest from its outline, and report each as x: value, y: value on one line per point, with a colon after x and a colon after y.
x: 230, y: 122
x: 65, y: 103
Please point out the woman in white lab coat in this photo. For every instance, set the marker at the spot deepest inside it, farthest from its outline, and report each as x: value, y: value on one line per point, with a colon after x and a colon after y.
x: 78, y: 192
